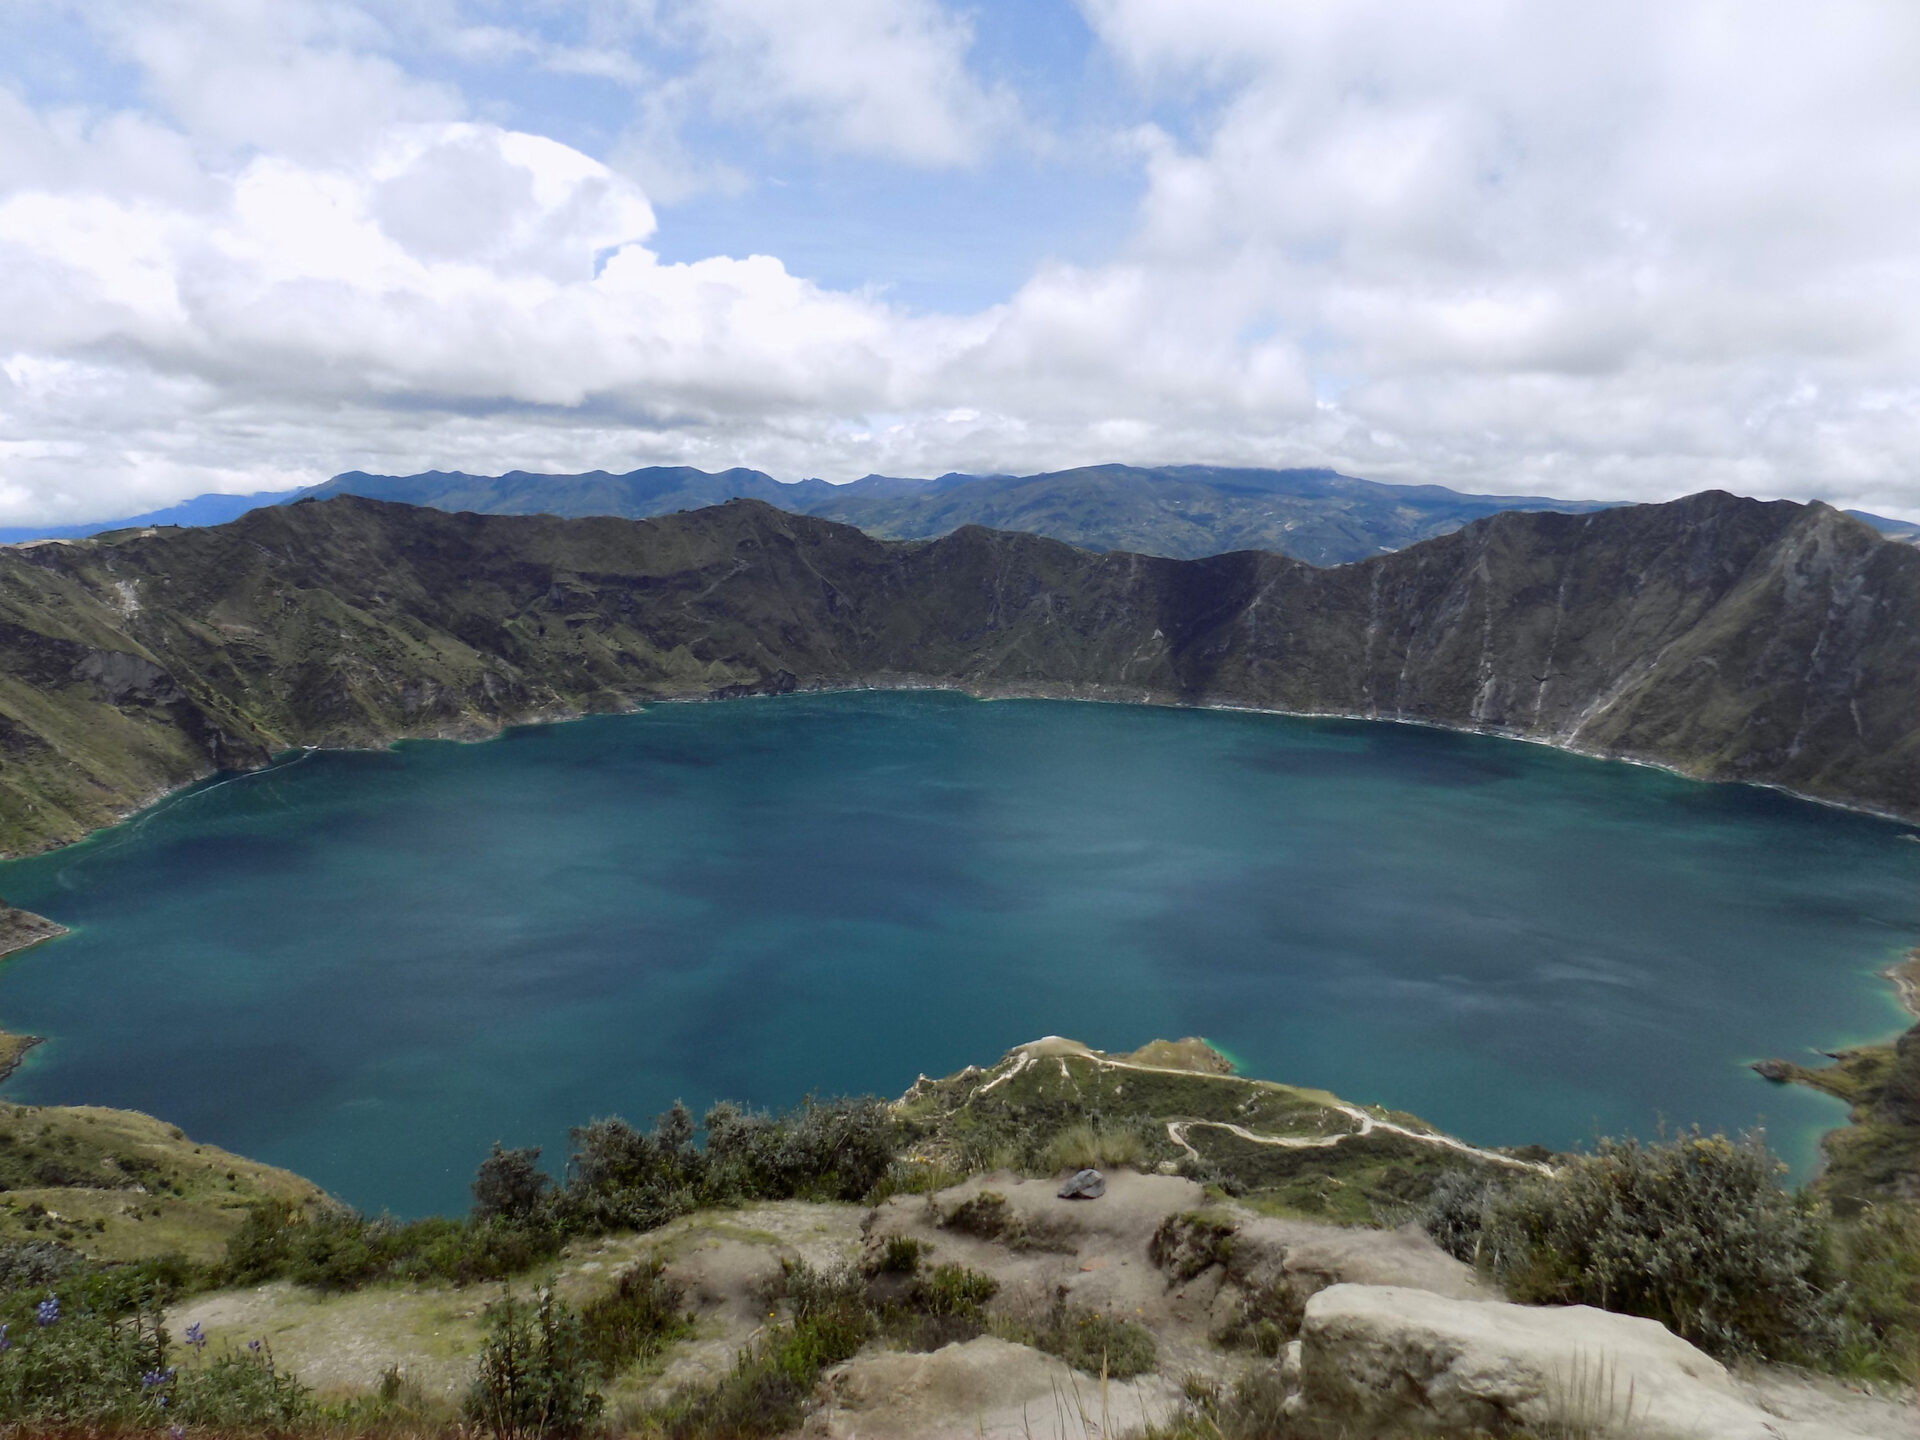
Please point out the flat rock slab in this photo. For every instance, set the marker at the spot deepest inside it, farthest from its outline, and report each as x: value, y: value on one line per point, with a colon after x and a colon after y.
x: 1388, y: 1358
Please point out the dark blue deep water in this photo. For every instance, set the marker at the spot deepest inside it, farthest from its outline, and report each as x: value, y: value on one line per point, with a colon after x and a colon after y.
x: 367, y: 966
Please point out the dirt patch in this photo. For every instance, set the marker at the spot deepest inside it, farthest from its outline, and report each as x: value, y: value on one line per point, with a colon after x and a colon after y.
x: 341, y: 1344
x: 981, y: 1388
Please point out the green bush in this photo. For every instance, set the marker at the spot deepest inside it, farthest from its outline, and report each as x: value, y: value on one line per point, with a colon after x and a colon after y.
x: 939, y: 1307
x: 1877, y: 1254
x: 1187, y: 1244
x: 643, y: 1314
x: 983, y: 1216
x: 93, y: 1351
x: 825, y: 1150
x: 767, y: 1391
x: 534, y: 1376
x: 1253, y: 1409
x: 617, y: 1179
x: 510, y: 1185
x: 1695, y: 1232
x: 1457, y: 1211
x: 1097, y: 1343
x: 338, y: 1250
x: 1270, y: 1314
x: 953, y: 1290
x: 900, y: 1255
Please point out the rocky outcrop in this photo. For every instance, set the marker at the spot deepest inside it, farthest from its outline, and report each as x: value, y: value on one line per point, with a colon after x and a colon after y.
x: 1385, y: 1359
x: 22, y: 929
x: 1728, y: 638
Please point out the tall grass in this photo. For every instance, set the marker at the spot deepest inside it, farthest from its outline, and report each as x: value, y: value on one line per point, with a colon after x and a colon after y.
x: 1585, y: 1401
x: 1093, y: 1146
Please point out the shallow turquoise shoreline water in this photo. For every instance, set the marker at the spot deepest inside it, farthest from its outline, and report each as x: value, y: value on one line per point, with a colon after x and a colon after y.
x: 367, y: 966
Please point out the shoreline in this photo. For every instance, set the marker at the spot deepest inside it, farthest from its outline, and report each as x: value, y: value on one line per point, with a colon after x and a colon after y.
x: 21, y: 930
x: 1876, y: 1153
x: 1905, y: 975
x: 1091, y: 694
x: 1835, y: 1079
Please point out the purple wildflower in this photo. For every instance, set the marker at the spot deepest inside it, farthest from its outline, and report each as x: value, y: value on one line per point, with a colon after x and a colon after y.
x: 5, y: 1343
x: 194, y: 1337
x: 47, y: 1312
x: 254, y: 1345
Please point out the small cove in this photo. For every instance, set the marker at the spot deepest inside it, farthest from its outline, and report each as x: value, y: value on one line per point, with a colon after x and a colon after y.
x: 367, y: 966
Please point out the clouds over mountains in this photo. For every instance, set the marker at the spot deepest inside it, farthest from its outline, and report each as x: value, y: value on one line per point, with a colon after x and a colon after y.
x: 1622, y: 250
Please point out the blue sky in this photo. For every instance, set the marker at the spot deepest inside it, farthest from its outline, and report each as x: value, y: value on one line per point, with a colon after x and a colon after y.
x: 1621, y: 251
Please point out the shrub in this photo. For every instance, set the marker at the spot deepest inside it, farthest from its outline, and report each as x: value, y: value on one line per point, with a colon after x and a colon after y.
x: 510, y: 1185
x: 953, y: 1290
x: 1694, y: 1232
x: 35, y: 1264
x: 259, y: 1249
x: 900, y: 1255
x: 242, y: 1388
x: 767, y: 1390
x: 1187, y: 1244
x: 983, y: 1216
x: 640, y: 1317
x: 618, y: 1178
x: 1097, y: 1343
x: 534, y: 1377
x: 1456, y: 1212
x: 1254, y: 1409
x: 339, y: 1250
x: 941, y: 1306
x: 1270, y: 1314
x: 94, y: 1352
x: 1877, y: 1252
x: 825, y: 1150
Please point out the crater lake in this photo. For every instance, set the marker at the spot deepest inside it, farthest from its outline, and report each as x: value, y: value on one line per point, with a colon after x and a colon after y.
x: 367, y: 966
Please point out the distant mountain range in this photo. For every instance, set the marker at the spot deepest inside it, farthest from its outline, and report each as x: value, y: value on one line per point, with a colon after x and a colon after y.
x: 1729, y: 638
x: 201, y: 510
x: 1180, y: 511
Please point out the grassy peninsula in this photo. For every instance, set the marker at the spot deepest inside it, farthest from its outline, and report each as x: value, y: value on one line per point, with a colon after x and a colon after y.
x: 1876, y: 1155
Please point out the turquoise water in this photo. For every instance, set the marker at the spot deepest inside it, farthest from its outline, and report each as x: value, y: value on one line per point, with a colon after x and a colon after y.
x: 367, y: 966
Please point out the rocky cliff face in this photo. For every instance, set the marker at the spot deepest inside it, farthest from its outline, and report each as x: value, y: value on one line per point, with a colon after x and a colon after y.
x: 1729, y: 638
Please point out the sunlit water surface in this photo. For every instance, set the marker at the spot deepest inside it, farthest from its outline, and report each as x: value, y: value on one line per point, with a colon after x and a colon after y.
x: 367, y: 966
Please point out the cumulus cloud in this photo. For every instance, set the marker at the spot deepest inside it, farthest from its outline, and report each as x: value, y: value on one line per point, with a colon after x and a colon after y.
x: 1630, y: 250
x: 1618, y: 249
x: 877, y: 77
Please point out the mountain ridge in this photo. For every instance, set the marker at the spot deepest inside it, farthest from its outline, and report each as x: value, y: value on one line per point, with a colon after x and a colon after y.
x: 1726, y: 638
x: 1181, y: 511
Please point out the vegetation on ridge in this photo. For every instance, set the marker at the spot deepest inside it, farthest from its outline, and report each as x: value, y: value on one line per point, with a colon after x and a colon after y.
x: 136, y: 663
x: 1695, y: 1231
x: 1876, y: 1155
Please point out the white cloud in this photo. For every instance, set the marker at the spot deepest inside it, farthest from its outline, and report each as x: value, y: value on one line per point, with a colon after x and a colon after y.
x: 1630, y: 250
x: 305, y: 78
x: 877, y: 77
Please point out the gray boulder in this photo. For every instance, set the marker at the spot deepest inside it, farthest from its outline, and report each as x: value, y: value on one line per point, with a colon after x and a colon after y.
x: 1085, y: 1185
x: 1375, y: 1358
